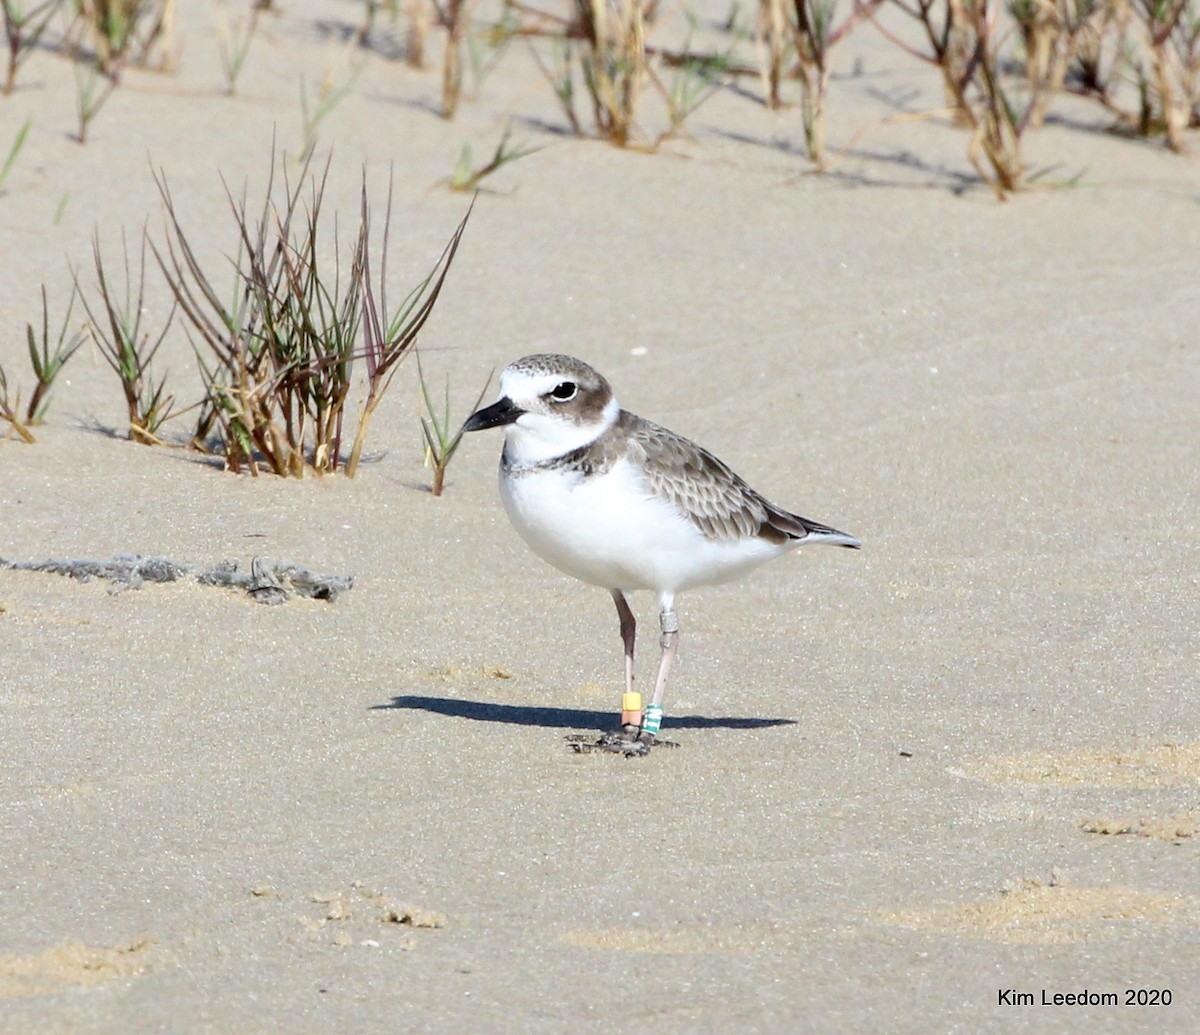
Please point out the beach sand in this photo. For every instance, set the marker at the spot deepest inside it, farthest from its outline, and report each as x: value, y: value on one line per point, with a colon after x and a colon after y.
x: 963, y: 761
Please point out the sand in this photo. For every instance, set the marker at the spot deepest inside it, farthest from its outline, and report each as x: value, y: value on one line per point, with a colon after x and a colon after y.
x: 904, y: 774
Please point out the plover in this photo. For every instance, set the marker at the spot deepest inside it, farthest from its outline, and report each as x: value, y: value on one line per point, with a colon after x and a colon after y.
x: 622, y: 503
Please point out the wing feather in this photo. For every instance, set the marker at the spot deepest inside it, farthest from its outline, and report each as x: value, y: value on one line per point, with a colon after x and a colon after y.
x: 703, y: 488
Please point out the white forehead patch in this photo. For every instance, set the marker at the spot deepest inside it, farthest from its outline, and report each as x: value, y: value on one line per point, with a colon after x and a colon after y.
x: 524, y: 386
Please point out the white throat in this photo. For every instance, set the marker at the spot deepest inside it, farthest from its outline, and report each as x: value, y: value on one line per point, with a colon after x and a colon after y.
x: 537, y: 437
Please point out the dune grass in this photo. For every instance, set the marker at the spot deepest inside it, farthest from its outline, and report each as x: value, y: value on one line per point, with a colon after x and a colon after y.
x: 613, y: 64
x: 457, y: 18
x: 442, y: 434
x: 340, y: 75
x: 92, y: 91
x: 974, y: 52
x: 468, y: 177
x: 817, y: 32
x: 1002, y: 63
x: 390, y: 334
x: 115, y: 326
x: 278, y: 351
x: 48, y: 354
x: 10, y: 410
x: 1168, y: 75
x: 124, y: 32
x: 24, y: 25
x: 234, y: 36
x: 14, y: 151
x: 275, y: 351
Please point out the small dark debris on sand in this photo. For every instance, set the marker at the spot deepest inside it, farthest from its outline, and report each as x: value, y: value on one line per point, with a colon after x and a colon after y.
x: 266, y: 582
x: 615, y: 743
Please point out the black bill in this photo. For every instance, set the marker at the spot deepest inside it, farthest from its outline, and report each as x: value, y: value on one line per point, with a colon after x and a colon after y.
x: 503, y: 411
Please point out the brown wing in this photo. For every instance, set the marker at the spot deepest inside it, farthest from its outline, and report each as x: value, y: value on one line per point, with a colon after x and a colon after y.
x: 709, y: 494
x: 705, y: 490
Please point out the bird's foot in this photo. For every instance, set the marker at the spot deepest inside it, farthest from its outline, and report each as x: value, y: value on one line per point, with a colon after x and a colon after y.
x: 629, y: 741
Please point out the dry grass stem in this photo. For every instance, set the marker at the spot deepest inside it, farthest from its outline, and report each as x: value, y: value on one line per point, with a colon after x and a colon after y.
x: 817, y: 33
x: 458, y: 20
x: 774, y: 40
x: 371, y: 9
x: 420, y: 17
x: 10, y: 411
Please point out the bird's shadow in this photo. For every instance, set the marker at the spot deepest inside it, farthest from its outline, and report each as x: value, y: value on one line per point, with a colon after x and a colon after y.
x: 562, y: 718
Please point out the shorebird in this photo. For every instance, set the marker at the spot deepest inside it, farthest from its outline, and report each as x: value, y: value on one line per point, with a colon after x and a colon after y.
x: 622, y: 503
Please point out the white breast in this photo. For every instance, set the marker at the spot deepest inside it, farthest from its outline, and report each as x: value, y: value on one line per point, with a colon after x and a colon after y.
x: 608, y: 530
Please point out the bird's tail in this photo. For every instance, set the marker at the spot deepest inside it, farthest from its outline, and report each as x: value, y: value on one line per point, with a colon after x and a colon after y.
x: 831, y: 536
x: 796, y: 527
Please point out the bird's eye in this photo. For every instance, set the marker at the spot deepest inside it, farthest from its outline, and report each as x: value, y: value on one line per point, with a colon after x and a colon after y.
x: 564, y: 392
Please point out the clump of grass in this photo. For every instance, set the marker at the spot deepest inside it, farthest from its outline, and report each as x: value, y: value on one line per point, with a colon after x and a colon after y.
x: 278, y: 359
x: 1059, y: 35
x: 468, y: 178
x: 962, y: 45
x: 22, y: 30
x: 1152, y: 46
x: 126, y: 31
x: 14, y: 151
x: 973, y: 53
x: 817, y: 33
x: 48, y: 355
x: 1169, y: 89
x: 441, y: 441
x: 233, y: 42
x: 604, y: 45
x: 1093, y: 70
x: 696, y: 80
x: 614, y: 64
x: 117, y: 332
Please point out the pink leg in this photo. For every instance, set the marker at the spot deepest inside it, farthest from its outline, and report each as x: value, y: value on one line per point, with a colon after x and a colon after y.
x: 629, y: 717
x: 669, y: 621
